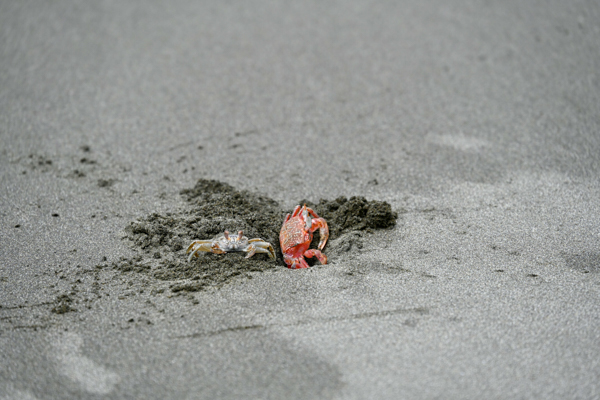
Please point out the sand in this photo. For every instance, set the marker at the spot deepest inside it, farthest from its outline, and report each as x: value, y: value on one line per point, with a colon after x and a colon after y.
x: 129, y: 129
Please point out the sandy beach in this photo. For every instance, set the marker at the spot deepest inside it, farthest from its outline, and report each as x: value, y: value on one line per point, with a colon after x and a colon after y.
x: 128, y: 129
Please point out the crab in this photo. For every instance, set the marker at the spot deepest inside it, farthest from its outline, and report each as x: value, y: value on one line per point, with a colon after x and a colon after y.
x: 296, y: 235
x: 226, y: 243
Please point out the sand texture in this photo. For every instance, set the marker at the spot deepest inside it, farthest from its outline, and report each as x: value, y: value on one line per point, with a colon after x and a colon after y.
x: 452, y: 146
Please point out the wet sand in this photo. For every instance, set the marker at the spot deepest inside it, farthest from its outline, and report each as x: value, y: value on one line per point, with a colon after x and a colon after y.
x: 477, y: 123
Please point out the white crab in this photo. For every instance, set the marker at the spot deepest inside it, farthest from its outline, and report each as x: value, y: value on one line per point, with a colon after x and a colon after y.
x: 226, y: 243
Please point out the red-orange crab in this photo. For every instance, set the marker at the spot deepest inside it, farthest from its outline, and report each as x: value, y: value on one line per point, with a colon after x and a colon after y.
x: 296, y: 235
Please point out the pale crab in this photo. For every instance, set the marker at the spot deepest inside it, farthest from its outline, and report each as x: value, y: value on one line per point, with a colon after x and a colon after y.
x: 226, y: 243
x: 296, y: 235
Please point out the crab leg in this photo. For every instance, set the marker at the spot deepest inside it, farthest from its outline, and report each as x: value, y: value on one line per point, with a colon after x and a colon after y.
x: 293, y: 214
x: 295, y: 263
x: 198, y: 245
x: 202, y: 245
x: 297, y: 211
x: 316, y: 253
x: 258, y: 246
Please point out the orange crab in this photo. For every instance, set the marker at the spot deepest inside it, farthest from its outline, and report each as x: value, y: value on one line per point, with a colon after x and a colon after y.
x: 296, y: 235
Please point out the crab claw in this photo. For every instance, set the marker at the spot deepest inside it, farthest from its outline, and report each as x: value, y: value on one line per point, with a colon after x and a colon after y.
x: 323, y: 232
x: 320, y: 224
x: 315, y: 223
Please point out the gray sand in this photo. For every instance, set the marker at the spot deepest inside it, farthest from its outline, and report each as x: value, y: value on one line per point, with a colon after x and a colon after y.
x: 478, y: 121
